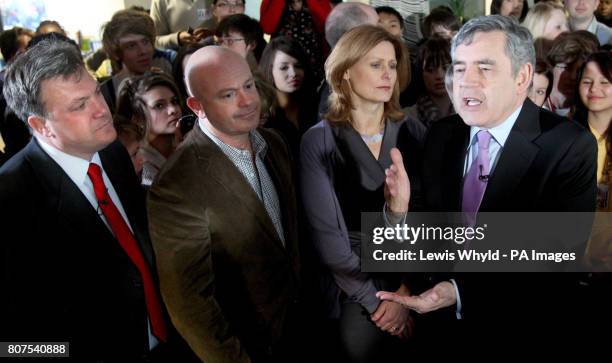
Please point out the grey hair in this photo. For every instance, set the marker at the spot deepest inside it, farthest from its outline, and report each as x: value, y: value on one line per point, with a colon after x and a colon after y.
x: 519, y: 42
x: 344, y: 17
x: 46, y: 60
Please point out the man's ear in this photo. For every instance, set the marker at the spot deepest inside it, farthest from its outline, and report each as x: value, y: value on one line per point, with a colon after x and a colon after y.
x: 39, y: 125
x: 524, y: 77
x: 196, y: 107
x: 251, y: 46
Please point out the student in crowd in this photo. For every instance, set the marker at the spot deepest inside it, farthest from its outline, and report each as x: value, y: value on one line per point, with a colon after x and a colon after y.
x: 348, y: 161
x: 434, y: 104
x: 604, y: 12
x: 516, y: 9
x: 567, y: 54
x: 49, y: 26
x: 128, y: 40
x: 542, y: 83
x: 221, y: 9
x: 14, y: 133
x: 582, y: 17
x: 242, y: 34
x: 285, y: 66
x: 391, y: 20
x: 152, y: 101
x: 546, y: 20
x: 131, y: 135
x: 441, y: 22
x: 594, y: 110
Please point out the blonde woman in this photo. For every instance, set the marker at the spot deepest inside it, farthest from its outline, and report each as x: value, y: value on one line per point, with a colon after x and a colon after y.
x: 355, y: 160
x: 546, y: 20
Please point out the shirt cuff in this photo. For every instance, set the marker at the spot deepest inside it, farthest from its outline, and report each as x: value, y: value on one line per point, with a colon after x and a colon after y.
x: 458, y: 297
x: 392, y: 219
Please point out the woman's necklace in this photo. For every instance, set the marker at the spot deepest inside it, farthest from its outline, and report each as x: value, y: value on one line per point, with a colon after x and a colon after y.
x: 373, y: 139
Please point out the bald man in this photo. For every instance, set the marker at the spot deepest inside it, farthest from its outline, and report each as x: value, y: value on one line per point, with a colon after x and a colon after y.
x: 223, y: 221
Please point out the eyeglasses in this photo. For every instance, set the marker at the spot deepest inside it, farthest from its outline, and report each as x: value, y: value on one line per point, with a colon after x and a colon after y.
x: 228, y: 41
x: 224, y: 5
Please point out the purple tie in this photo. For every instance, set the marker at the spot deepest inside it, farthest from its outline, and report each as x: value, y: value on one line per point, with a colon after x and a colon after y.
x: 475, y: 181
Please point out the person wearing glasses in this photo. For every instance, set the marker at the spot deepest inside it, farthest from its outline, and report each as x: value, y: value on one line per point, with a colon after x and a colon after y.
x: 567, y: 54
x: 221, y: 9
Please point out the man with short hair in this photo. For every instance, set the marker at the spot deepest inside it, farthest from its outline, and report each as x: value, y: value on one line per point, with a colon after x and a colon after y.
x: 223, y: 221
x: 582, y: 17
x: 76, y: 257
x: 503, y: 153
x: 221, y: 9
x: 566, y: 55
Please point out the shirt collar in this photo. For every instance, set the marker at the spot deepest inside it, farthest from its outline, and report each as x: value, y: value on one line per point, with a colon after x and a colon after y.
x: 592, y: 28
x: 257, y: 142
x: 75, y: 167
x: 500, y: 132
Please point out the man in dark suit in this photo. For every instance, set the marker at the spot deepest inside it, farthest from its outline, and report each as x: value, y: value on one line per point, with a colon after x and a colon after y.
x: 75, y: 252
x: 503, y: 153
x: 223, y: 222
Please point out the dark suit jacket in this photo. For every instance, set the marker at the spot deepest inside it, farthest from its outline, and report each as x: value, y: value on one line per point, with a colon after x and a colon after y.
x: 225, y: 276
x: 63, y: 275
x: 547, y: 164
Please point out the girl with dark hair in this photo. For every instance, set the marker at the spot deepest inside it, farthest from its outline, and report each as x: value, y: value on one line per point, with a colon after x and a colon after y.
x: 516, y: 9
x: 434, y: 103
x: 285, y: 66
x: 153, y: 102
x: 594, y: 110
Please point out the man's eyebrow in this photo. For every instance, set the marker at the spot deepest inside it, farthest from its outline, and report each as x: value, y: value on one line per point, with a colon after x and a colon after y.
x: 487, y: 61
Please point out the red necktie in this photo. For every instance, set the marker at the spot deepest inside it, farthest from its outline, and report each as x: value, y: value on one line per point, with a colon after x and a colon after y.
x: 128, y: 242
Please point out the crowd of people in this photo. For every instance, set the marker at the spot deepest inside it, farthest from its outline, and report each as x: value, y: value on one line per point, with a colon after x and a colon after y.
x: 195, y: 193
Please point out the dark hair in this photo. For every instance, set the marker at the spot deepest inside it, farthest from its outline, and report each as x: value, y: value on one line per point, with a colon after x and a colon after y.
x: 390, y: 10
x: 441, y: 15
x: 50, y: 22
x: 47, y: 60
x: 435, y: 52
x: 131, y: 106
x: 249, y: 28
x: 497, y: 4
x: 291, y: 47
x: 214, y: 2
x: 573, y: 46
x: 542, y: 67
x: 603, y: 60
x: 8, y: 41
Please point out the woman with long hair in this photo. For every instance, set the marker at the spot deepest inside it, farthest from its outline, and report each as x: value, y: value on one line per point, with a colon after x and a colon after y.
x: 153, y: 102
x: 285, y: 66
x: 347, y: 161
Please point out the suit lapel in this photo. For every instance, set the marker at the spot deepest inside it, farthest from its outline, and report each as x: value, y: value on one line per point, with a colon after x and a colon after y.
x: 515, y: 159
x: 229, y: 177
x: 68, y: 199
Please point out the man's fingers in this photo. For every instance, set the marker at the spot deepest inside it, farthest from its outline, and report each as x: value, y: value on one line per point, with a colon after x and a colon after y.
x: 407, y: 301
